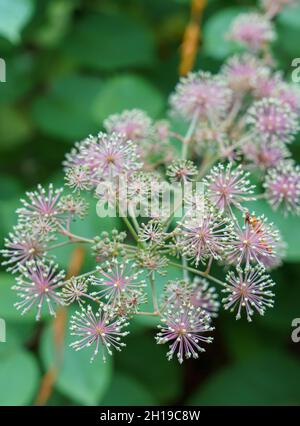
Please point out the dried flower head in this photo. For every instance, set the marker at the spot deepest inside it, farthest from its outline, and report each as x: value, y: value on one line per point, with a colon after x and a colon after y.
x: 102, y: 329
x: 37, y: 286
x: 184, y: 328
x: 282, y: 185
x: 248, y: 290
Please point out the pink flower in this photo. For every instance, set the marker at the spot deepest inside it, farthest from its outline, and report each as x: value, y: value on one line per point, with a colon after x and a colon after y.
x: 248, y: 290
x: 37, y: 286
x: 184, y: 328
x: 282, y: 187
x: 252, y: 30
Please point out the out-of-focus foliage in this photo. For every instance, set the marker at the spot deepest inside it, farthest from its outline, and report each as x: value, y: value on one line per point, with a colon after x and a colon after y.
x: 69, y: 64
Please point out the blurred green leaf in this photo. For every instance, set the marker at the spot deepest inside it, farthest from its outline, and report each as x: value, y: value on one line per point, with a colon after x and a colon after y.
x: 78, y: 378
x: 125, y: 390
x: 67, y: 110
x: 288, y: 32
x: 14, y: 128
x: 19, y: 378
x: 18, y: 78
x: 127, y: 92
x: 215, y: 29
x: 267, y: 379
x: 146, y: 361
x: 14, y: 15
x: 107, y: 42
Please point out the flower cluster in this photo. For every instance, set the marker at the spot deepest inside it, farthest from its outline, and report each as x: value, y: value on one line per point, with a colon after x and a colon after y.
x: 234, y: 157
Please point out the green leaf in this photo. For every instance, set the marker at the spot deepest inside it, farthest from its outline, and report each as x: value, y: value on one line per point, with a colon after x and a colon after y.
x: 146, y: 361
x: 14, y: 15
x: 67, y: 110
x: 14, y: 128
x: 8, y: 298
x: 106, y: 42
x: 215, y: 43
x: 127, y: 92
x: 78, y: 378
x: 19, y: 378
x: 288, y: 32
x: 18, y: 78
x: 267, y: 379
x: 125, y: 390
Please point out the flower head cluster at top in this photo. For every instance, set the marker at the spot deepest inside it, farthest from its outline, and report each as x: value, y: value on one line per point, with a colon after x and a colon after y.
x: 233, y: 159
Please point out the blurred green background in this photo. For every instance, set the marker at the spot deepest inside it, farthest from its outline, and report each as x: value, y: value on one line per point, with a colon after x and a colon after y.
x: 71, y: 63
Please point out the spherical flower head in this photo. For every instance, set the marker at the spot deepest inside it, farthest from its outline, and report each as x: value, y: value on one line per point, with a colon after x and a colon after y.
x: 104, y: 157
x: 74, y: 290
x: 204, y: 236
x: 202, y: 95
x: 43, y: 203
x: 273, y: 7
x: 152, y: 263
x: 252, y: 30
x: 152, y: 233
x: 249, y: 291
x: 78, y: 178
x: 254, y: 242
x: 37, y: 286
x: 116, y: 279
x: 184, y: 328
x: 22, y: 246
x: 290, y: 94
x: 241, y: 72
x: 204, y: 296
x: 177, y: 293
x: 109, y: 246
x: 228, y: 187
x: 273, y: 121
x: 72, y: 207
x: 265, y: 155
x: 265, y: 83
x: 102, y: 329
x: 134, y: 124
x: 282, y: 185
x: 182, y: 171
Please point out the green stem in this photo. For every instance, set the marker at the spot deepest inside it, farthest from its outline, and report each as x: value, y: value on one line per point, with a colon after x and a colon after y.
x: 195, y: 271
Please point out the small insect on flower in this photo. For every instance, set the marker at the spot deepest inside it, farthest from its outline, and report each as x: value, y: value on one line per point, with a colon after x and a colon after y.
x: 102, y: 329
x: 204, y: 296
x: 42, y: 203
x: 74, y: 290
x: 228, y: 187
x: 201, y: 94
x: 254, y: 242
x: 273, y: 121
x: 37, y: 285
x: 204, y: 237
x: 184, y: 327
x: 282, y: 185
x: 117, y: 278
x: 22, y: 246
x: 248, y: 290
x: 134, y: 124
x: 253, y: 30
x: 182, y: 171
